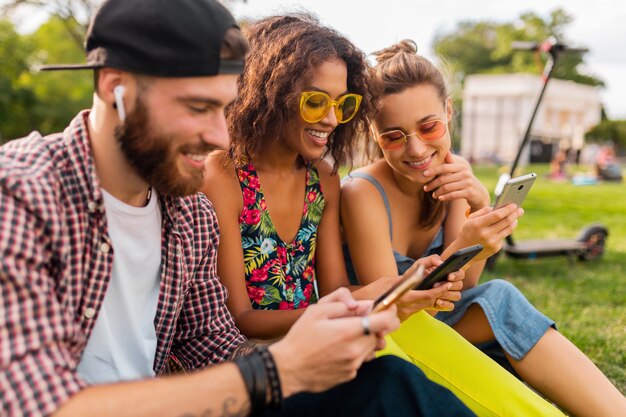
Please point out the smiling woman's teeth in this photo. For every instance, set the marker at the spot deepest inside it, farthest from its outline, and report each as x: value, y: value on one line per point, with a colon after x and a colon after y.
x: 318, y: 134
x: 197, y: 157
x: 420, y: 162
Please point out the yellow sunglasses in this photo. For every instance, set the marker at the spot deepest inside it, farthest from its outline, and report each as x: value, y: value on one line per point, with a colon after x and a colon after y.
x: 315, y: 105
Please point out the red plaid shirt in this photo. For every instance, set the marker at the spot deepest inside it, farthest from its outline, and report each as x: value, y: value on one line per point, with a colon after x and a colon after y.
x: 56, y: 261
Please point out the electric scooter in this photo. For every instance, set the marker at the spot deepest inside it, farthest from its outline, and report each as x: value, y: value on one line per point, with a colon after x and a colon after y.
x: 591, y: 241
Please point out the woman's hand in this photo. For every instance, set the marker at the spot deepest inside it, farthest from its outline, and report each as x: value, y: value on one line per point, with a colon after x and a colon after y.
x: 441, y: 297
x: 454, y: 179
x: 489, y: 227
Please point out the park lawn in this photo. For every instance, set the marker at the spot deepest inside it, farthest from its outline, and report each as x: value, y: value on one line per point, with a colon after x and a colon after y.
x: 586, y: 299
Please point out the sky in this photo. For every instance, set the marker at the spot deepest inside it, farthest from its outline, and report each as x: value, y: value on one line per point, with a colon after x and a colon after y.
x: 599, y: 25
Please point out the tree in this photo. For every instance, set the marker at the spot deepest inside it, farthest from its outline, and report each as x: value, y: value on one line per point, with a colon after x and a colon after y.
x: 59, y: 94
x: 15, y: 98
x: 485, y: 47
x: 73, y: 14
x: 30, y: 100
x: 609, y: 131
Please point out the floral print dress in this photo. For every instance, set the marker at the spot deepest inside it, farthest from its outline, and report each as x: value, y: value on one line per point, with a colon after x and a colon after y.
x: 279, y: 275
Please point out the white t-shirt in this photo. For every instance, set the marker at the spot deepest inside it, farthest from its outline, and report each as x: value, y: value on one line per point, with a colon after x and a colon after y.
x: 123, y: 343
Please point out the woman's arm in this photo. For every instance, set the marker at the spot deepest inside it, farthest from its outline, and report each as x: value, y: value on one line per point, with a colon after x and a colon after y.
x: 366, y: 230
x: 455, y: 220
x: 487, y: 226
x: 454, y: 181
x: 329, y: 264
x: 222, y: 188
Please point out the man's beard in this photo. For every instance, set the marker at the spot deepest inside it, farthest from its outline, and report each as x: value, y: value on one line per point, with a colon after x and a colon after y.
x: 153, y: 156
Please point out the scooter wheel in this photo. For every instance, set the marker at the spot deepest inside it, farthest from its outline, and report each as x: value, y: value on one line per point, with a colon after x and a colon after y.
x: 595, y: 240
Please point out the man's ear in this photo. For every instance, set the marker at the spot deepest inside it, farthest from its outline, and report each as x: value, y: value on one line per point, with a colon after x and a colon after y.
x: 107, y: 79
x: 112, y: 89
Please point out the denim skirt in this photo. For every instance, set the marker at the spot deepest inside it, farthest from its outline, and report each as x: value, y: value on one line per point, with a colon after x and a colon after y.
x: 516, y: 324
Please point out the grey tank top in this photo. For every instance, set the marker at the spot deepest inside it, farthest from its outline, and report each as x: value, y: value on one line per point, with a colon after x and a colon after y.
x: 403, y: 262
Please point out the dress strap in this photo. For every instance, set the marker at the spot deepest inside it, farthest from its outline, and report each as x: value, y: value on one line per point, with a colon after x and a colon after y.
x: 381, y: 190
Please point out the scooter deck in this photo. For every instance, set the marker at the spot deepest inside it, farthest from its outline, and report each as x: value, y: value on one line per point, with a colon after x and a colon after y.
x: 543, y: 248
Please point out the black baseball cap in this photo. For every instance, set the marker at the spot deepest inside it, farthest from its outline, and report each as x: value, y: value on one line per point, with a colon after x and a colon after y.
x: 166, y: 38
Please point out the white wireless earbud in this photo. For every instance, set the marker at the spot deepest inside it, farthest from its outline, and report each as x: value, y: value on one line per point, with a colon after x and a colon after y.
x: 118, y: 93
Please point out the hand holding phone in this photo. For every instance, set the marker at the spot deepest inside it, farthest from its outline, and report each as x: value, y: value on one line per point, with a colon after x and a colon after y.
x: 515, y: 190
x: 395, y: 292
x: 455, y: 262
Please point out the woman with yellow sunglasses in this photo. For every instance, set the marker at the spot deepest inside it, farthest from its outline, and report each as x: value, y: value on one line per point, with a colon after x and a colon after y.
x: 413, y: 200
x: 302, y: 98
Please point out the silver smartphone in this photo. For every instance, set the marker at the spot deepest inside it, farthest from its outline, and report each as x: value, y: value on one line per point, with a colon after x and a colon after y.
x: 515, y: 190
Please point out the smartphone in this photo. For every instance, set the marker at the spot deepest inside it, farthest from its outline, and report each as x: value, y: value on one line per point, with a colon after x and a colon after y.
x: 395, y: 292
x: 515, y: 190
x: 453, y: 263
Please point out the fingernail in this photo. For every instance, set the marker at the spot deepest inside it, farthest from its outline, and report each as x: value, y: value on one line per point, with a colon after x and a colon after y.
x: 427, y: 172
x: 435, y: 196
x: 426, y: 188
x: 449, y: 286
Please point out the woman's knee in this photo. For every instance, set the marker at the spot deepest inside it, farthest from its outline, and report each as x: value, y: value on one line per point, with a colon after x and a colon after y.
x: 504, y: 289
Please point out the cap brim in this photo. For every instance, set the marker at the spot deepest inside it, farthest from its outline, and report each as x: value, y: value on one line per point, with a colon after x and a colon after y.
x: 69, y: 67
x: 231, y: 67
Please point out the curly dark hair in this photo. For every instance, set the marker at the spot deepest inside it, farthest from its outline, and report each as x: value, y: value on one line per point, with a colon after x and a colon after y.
x: 284, y: 50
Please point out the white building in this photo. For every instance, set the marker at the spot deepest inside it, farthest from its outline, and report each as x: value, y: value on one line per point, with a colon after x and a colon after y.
x: 497, y: 108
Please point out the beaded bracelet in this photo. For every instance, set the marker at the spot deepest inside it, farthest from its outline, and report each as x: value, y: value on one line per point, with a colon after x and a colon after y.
x: 276, y: 397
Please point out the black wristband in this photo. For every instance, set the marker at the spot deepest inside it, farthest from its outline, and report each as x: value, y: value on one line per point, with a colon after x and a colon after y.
x: 276, y: 397
x: 259, y: 398
x: 255, y: 378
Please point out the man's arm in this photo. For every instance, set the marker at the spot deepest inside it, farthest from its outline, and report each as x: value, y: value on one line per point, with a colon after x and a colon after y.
x: 217, y: 391
x: 37, y: 334
x: 324, y: 348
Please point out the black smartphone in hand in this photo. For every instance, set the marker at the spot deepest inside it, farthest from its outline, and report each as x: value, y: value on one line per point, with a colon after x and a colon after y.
x: 453, y: 263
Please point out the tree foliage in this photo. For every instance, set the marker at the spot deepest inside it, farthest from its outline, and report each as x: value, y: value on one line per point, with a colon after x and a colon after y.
x: 485, y: 47
x: 609, y: 130
x: 73, y: 14
x: 15, y: 98
x: 32, y: 100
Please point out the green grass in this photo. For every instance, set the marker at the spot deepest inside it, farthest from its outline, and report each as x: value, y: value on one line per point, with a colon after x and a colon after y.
x: 586, y: 299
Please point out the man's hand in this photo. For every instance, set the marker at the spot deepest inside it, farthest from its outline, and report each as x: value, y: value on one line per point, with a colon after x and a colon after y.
x: 328, y: 344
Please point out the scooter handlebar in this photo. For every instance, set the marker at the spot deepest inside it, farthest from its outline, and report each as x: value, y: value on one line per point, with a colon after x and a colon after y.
x: 545, y: 46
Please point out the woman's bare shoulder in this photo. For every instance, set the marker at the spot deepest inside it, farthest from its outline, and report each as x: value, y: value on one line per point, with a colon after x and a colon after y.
x: 220, y: 179
x: 353, y: 184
